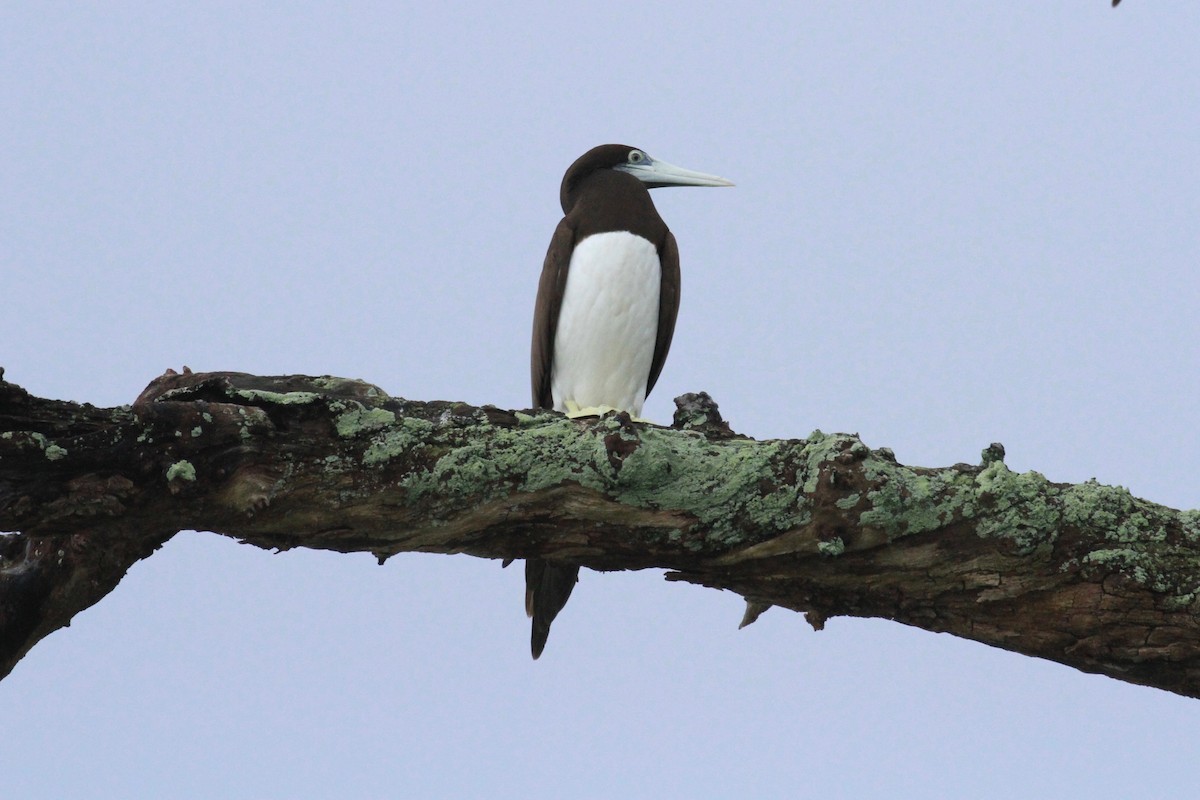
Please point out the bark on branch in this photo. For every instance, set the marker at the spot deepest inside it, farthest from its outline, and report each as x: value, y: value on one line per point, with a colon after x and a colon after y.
x: 1085, y: 575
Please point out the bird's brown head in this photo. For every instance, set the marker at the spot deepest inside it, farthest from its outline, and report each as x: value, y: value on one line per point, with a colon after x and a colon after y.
x: 631, y: 161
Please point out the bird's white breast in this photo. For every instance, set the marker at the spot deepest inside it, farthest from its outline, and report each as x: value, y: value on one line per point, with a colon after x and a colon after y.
x: 608, y: 323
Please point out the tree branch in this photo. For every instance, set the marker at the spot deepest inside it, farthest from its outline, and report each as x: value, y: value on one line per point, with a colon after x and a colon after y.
x: 1085, y: 575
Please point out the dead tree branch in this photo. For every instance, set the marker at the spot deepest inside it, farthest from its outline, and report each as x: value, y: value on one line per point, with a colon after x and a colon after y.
x: 1085, y: 575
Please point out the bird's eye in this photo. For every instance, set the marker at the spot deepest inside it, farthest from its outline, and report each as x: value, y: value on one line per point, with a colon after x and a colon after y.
x: 636, y: 156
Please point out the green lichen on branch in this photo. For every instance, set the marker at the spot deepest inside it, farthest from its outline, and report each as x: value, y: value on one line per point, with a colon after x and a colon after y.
x: 182, y: 471
x: 360, y: 420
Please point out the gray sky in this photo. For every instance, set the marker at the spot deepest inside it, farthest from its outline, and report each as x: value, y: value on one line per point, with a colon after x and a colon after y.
x: 954, y: 223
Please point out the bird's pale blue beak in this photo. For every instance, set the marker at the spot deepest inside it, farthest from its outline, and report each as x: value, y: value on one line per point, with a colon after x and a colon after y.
x: 656, y: 174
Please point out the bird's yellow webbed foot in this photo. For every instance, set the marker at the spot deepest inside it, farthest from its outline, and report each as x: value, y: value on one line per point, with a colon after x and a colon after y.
x: 575, y: 411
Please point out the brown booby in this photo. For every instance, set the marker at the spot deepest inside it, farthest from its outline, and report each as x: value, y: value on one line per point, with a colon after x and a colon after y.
x: 605, y: 312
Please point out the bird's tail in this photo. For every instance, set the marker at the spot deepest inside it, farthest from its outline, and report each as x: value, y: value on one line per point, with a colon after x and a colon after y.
x: 547, y: 589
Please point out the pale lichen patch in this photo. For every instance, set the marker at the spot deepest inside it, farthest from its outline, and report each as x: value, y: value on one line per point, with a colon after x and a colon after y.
x: 1114, y: 511
x: 33, y: 439
x: 779, y: 510
x: 725, y: 490
x: 816, y: 452
x: 352, y: 386
x: 909, y: 502
x: 181, y: 471
x: 1132, y: 540
x: 1021, y: 507
x: 1191, y: 525
x: 278, y: 398
x: 525, y: 419
x: 398, y: 440
x: 832, y: 547
x: 849, y: 501
x: 550, y: 442
x: 508, y: 460
x: 361, y: 420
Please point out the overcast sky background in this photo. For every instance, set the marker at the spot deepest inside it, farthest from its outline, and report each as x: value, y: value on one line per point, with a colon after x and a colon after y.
x: 954, y: 223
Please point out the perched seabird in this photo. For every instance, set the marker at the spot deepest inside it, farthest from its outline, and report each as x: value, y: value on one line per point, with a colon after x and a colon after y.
x: 605, y: 312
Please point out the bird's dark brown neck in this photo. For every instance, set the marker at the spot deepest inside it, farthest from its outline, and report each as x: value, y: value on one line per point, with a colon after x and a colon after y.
x: 614, y: 201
